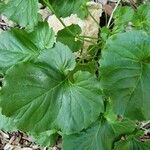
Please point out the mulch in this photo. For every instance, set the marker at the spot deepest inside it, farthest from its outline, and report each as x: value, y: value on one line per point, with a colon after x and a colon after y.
x: 20, y: 141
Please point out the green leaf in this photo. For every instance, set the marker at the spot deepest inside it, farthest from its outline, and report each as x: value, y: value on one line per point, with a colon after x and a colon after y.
x: 69, y: 38
x: 42, y: 36
x: 18, y: 45
x: 132, y: 144
x: 59, y: 58
x: 64, y: 8
x: 15, y: 46
x: 23, y: 12
x: 125, y: 74
x: 100, y: 136
x: 46, y: 139
x: 6, y: 123
x: 118, y: 124
x: 89, y: 66
x: 46, y: 97
x: 141, y: 19
x: 122, y: 16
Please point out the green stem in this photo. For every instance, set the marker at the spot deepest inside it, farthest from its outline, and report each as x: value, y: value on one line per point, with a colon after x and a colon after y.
x: 88, y: 37
x: 83, y: 39
x: 95, y: 45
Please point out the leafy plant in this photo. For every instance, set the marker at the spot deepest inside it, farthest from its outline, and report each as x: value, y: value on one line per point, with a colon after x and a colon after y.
x: 93, y: 102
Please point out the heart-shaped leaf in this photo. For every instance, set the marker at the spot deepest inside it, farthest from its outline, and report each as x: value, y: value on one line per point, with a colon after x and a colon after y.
x: 46, y: 95
x: 125, y: 74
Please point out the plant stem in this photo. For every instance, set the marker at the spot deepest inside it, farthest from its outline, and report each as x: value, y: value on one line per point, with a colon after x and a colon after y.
x: 83, y: 39
x: 110, y: 19
x: 88, y: 37
x: 96, y: 45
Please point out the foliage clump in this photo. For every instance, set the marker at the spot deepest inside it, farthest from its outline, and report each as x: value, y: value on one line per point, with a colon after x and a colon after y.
x: 93, y: 102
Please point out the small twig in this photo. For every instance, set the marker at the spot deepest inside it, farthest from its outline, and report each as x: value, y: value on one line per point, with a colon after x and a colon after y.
x: 110, y: 19
x: 3, y: 23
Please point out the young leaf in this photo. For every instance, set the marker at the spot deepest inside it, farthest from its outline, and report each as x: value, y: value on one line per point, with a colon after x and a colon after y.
x: 64, y: 8
x: 141, y: 19
x: 125, y: 74
x: 69, y: 39
x: 23, y: 12
x: 46, y: 97
x: 122, y: 17
x: 18, y: 45
x: 100, y: 136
